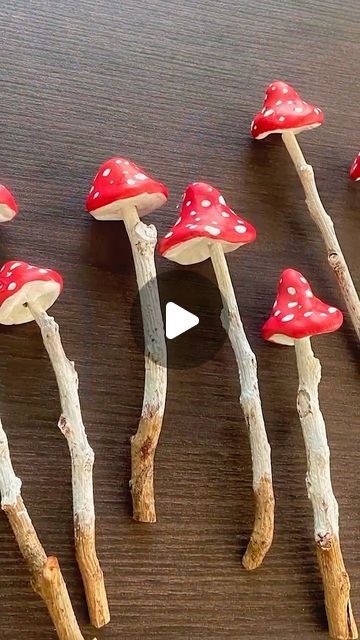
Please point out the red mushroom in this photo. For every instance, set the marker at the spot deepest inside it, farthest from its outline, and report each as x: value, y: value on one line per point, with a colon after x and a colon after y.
x: 286, y: 113
x: 122, y: 191
x: 8, y: 206
x: 355, y: 169
x: 26, y: 292
x: 296, y: 316
x: 46, y: 577
x: 208, y: 228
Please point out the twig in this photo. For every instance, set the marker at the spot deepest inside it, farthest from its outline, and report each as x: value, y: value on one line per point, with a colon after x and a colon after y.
x: 143, y: 444
x: 325, y: 225
x: 262, y: 534
x: 82, y: 462
x: 46, y: 577
x: 336, y: 581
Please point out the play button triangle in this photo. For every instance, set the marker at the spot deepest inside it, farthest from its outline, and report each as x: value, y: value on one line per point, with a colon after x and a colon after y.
x: 178, y: 320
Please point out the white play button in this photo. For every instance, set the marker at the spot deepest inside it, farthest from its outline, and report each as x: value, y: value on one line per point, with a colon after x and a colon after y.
x: 178, y: 320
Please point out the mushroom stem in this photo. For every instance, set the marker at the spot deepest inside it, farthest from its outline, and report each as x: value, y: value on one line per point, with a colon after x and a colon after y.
x: 263, y: 530
x: 143, y: 444
x: 46, y: 577
x: 82, y: 460
x: 325, y: 225
x: 336, y: 581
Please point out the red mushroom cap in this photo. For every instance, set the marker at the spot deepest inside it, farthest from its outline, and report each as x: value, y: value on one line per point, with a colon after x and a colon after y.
x: 297, y: 313
x: 8, y: 206
x: 204, y: 217
x: 284, y: 110
x: 355, y: 169
x: 20, y: 283
x: 120, y: 183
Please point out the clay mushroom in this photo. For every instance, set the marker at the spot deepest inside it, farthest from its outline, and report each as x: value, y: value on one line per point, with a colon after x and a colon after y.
x: 46, y: 578
x: 26, y: 292
x: 296, y: 316
x: 8, y: 206
x: 122, y: 191
x: 286, y: 113
x: 208, y: 228
x: 355, y: 169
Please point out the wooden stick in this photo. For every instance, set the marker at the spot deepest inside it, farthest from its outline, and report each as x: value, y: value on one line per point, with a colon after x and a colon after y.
x: 82, y: 462
x: 336, y: 581
x: 325, y: 225
x: 143, y: 445
x: 263, y: 530
x: 46, y: 578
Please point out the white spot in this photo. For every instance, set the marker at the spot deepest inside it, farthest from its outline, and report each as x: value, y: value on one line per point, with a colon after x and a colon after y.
x: 323, y: 315
x: 288, y: 318
x: 188, y: 203
x: 309, y: 294
x: 197, y: 219
x: 126, y: 162
x: 282, y: 118
x: 141, y: 176
x: 266, y: 96
x: 12, y: 286
x: 177, y: 221
x: 317, y: 111
x: 307, y: 314
x: 210, y: 189
x: 130, y: 181
x: 206, y: 203
x: 193, y: 213
x: 278, y: 102
x: 106, y: 172
x: 291, y: 305
x: 193, y: 226
x: 92, y: 189
x: 275, y: 304
x: 222, y: 200
x: 298, y: 109
x: 277, y: 313
x: 302, y: 279
x: 332, y: 310
x: 240, y: 228
x: 212, y: 230
x: 240, y: 221
x: 285, y: 90
x: 357, y: 179
x: 290, y: 101
x: 214, y: 222
x: 252, y: 124
x: 255, y: 127
x: 118, y: 161
x: 268, y: 112
x: 273, y: 87
x: 96, y: 195
x: 43, y: 270
x: 111, y: 181
x: 225, y: 214
x: 188, y: 226
x: 15, y: 265
x: 291, y: 290
x: 168, y: 235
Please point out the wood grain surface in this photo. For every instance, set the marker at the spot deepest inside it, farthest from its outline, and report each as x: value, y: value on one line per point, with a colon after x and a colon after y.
x: 174, y: 85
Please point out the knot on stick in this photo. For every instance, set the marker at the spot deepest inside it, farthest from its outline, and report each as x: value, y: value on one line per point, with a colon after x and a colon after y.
x: 304, y: 403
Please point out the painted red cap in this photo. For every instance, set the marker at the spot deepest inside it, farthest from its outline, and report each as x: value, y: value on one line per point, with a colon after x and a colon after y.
x: 355, y: 169
x: 204, y: 217
x: 120, y: 183
x: 284, y: 110
x: 20, y: 283
x: 8, y: 206
x: 297, y: 313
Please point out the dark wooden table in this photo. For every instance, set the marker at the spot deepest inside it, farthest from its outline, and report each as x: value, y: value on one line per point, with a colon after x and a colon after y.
x: 174, y: 85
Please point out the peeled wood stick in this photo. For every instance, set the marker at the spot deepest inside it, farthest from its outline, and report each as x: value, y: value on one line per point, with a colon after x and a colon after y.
x: 336, y: 581
x: 325, y: 225
x: 46, y: 578
x: 143, y: 445
x: 82, y: 461
x: 263, y: 530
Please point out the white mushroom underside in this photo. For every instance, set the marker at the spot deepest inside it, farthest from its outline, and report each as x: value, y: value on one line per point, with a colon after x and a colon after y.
x: 295, y: 130
x: 13, y: 311
x: 144, y: 203
x: 6, y: 213
x: 280, y: 338
x: 197, y: 250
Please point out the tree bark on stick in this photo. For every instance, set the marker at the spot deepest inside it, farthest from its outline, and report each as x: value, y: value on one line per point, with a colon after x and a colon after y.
x: 262, y: 535
x: 46, y: 577
x: 143, y: 444
x: 82, y: 462
x: 325, y: 225
x: 336, y: 581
